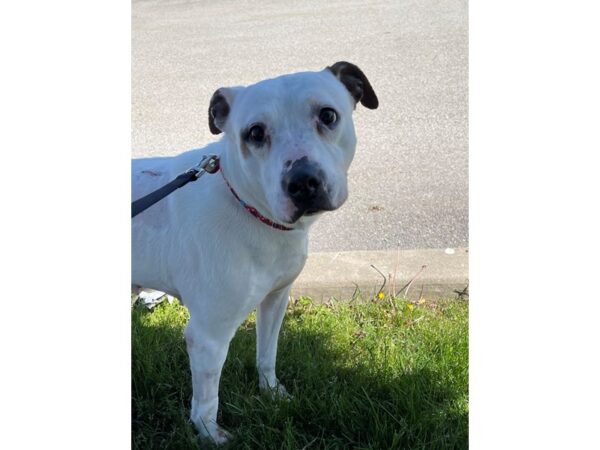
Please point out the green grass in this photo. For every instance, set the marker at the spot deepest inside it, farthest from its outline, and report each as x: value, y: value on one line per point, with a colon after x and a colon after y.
x: 374, y: 375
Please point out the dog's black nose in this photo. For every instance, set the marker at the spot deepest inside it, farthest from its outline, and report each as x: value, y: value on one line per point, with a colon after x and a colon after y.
x: 303, y: 186
x: 304, y: 183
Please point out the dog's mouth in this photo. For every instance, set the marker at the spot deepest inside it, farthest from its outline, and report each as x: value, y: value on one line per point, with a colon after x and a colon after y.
x: 299, y: 214
x: 309, y: 212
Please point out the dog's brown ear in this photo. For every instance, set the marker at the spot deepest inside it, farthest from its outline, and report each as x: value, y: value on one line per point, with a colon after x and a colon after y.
x: 218, y: 110
x: 220, y: 107
x: 356, y: 82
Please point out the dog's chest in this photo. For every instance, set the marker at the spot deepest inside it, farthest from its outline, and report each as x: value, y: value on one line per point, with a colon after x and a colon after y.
x: 286, y: 268
x: 275, y: 266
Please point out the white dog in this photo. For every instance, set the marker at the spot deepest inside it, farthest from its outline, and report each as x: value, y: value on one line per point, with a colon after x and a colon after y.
x: 236, y: 240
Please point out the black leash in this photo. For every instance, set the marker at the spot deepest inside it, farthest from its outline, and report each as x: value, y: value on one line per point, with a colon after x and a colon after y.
x: 209, y: 163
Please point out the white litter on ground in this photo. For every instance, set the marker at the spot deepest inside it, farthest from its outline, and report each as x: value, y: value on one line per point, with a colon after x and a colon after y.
x: 150, y: 298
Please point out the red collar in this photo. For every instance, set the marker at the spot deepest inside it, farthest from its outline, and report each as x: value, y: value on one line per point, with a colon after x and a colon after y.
x: 252, y: 210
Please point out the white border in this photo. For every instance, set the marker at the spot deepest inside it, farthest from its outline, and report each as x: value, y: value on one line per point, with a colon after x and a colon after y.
x: 65, y: 106
x: 534, y: 225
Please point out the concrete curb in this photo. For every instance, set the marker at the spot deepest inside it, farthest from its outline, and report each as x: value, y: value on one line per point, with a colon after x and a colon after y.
x: 436, y: 273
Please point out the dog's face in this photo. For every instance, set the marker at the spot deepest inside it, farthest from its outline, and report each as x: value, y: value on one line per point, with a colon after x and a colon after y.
x: 294, y: 137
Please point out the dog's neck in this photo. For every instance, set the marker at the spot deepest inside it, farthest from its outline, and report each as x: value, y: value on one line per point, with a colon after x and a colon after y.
x: 237, y: 181
x: 253, y: 211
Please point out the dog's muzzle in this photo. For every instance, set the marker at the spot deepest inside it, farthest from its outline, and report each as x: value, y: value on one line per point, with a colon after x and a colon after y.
x: 305, y: 184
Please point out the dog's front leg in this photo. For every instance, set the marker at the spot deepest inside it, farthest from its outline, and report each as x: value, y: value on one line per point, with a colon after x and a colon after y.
x: 207, y: 349
x: 269, y: 316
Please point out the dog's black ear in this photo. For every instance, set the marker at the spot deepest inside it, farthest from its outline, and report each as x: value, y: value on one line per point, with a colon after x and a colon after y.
x: 356, y: 82
x: 218, y: 110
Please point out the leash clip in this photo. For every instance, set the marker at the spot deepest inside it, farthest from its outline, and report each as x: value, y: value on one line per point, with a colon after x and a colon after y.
x: 208, y: 163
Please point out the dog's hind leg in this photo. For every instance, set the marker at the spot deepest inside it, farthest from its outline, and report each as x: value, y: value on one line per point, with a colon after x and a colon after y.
x: 207, y: 351
x: 269, y: 316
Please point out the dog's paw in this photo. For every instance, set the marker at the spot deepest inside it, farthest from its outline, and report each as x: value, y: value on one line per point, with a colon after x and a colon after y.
x: 277, y: 392
x: 217, y: 435
x: 220, y: 436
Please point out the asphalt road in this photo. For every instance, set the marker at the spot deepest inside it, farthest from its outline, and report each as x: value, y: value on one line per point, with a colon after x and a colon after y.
x: 409, y: 179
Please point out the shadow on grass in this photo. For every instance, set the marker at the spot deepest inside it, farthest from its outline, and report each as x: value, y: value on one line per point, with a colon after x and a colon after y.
x: 335, y: 405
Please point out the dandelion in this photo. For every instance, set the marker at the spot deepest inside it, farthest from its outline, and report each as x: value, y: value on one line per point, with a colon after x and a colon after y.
x: 410, y: 307
x: 380, y: 296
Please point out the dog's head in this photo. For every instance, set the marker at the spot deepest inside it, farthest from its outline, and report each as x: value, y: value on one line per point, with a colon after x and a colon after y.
x: 292, y: 138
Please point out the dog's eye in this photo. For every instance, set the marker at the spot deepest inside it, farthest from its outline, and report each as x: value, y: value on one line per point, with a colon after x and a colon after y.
x: 328, y: 116
x: 256, y: 134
